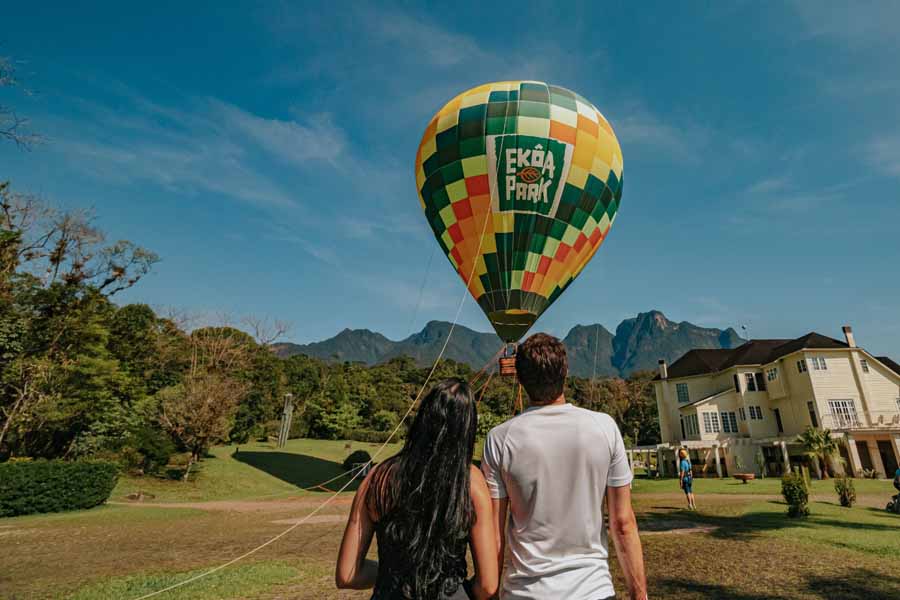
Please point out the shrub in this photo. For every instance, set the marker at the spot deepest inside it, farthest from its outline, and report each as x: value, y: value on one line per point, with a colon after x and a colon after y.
x: 795, y: 490
x: 148, y: 450
x: 368, y: 435
x: 356, y: 458
x: 846, y: 491
x: 385, y: 420
x: 51, y: 486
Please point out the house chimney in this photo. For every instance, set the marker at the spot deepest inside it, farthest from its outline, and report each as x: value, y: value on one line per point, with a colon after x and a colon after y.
x: 848, y: 335
x: 663, y: 369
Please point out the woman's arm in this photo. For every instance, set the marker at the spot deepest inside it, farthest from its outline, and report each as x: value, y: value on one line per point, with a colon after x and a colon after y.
x: 482, y: 540
x: 354, y: 570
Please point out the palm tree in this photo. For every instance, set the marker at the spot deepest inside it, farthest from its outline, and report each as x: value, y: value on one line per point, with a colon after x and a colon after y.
x: 820, y: 447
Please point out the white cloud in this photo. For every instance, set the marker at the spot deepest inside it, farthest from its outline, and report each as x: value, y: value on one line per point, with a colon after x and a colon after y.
x: 681, y: 142
x: 210, y: 146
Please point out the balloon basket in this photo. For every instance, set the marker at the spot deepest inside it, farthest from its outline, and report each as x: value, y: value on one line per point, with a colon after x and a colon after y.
x: 508, y: 361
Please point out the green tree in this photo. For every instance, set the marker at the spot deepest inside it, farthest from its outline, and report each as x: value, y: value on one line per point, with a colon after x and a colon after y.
x: 820, y: 447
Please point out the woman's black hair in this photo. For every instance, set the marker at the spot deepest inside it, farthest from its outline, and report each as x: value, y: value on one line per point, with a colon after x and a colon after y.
x: 420, y: 497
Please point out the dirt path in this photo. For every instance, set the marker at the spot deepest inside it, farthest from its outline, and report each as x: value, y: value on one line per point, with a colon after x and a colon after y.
x: 245, y: 505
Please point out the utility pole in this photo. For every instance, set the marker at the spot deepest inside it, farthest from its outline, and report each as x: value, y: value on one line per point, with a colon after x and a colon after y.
x: 286, y: 417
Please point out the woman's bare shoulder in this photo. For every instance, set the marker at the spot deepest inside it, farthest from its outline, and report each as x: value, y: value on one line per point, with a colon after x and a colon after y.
x: 478, y: 486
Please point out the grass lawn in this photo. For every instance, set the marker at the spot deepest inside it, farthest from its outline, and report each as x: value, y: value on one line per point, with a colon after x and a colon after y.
x: 257, y: 470
x: 740, y: 545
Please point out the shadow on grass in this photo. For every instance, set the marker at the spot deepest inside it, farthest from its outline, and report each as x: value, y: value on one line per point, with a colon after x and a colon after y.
x: 853, y: 584
x: 747, y: 525
x: 298, y: 469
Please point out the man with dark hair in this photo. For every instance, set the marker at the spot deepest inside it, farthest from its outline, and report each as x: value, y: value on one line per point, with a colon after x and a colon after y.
x: 550, y: 468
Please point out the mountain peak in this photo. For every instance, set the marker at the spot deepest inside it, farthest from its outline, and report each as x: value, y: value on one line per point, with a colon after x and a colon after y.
x: 592, y: 350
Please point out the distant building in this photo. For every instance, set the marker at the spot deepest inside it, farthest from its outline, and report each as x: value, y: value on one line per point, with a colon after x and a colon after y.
x: 741, y: 410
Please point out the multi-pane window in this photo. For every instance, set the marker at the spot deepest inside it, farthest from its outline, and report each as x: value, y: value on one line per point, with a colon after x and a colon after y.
x: 755, y: 413
x: 864, y: 364
x: 711, y: 422
x: 760, y: 382
x: 729, y: 422
x: 690, y: 424
x: 743, y: 413
x: 813, y: 418
x: 751, y: 382
x: 737, y: 383
x: 818, y: 363
x: 844, y: 413
x: 801, y: 366
x: 898, y: 403
x: 682, y: 391
x: 772, y: 374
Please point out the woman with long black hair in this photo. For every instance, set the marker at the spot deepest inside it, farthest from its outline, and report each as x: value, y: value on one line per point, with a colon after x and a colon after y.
x: 425, y: 506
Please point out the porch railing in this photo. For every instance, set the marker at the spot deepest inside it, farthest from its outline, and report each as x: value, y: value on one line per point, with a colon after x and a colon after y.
x: 861, y: 420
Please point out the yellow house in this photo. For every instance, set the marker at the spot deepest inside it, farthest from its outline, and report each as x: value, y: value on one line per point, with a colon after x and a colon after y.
x: 741, y: 410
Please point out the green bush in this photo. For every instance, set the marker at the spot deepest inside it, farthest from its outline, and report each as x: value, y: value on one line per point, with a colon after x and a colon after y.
x: 369, y: 435
x: 54, y: 485
x: 795, y: 490
x: 846, y: 491
x: 356, y: 458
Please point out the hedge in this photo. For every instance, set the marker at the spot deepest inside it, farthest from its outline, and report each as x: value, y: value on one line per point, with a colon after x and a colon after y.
x: 369, y: 435
x: 42, y: 486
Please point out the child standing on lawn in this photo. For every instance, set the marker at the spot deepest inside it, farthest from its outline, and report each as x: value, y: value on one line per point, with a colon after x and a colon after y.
x: 686, y: 478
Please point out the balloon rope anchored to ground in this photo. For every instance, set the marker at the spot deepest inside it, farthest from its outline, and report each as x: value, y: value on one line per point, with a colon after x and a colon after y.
x: 542, y: 165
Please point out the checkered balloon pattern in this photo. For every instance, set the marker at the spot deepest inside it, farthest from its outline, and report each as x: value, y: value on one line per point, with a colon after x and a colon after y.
x: 520, y: 182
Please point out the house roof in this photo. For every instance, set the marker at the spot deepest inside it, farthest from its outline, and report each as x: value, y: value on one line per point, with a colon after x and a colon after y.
x: 893, y: 366
x: 752, y: 353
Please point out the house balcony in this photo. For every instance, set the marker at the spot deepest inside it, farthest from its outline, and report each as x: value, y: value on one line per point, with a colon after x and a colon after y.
x: 887, y: 421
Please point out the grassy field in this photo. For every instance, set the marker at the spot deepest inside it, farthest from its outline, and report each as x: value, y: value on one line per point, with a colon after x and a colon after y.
x: 740, y: 545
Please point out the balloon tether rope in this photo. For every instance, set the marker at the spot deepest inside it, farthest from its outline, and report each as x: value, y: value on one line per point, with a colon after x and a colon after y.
x: 378, y: 452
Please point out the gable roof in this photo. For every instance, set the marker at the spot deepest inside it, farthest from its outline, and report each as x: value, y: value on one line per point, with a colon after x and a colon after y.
x: 889, y: 364
x: 752, y: 353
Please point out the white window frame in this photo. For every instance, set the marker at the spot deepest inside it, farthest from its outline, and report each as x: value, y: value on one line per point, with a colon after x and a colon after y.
x: 743, y: 413
x: 715, y: 422
x: 772, y: 374
x: 864, y: 363
x: 750, y: 380
x: 843, y: 412
x: 682, y: 387
x: 734, y: 424
x: 802, y: 367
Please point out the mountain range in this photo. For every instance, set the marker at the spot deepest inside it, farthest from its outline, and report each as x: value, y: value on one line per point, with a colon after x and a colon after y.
x: 637, y: 344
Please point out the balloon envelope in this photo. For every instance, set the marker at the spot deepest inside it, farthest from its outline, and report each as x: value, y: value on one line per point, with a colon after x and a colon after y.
x: 520, y: 182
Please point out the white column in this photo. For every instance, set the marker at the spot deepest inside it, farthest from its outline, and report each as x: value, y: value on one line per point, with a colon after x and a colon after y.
x: 660, y: 465
x: 718, y: 464
x: 895, y: 444
x: 786, y: 457
x: 877, y: 463
x: 855, y: 463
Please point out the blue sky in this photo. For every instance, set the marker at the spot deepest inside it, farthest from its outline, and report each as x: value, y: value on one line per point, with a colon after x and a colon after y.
x: 265, y: 151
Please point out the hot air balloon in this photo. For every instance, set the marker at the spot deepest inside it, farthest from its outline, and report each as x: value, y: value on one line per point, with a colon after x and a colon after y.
x: 520, y: 182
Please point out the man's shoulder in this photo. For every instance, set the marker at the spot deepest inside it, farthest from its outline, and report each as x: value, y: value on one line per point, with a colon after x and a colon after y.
x: 601, y: 418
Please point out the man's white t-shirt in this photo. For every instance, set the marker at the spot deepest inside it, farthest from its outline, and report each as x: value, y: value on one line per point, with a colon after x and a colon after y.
x: 554, y: 463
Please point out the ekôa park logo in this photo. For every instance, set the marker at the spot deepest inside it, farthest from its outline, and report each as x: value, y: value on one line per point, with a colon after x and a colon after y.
x: 527, y: 171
